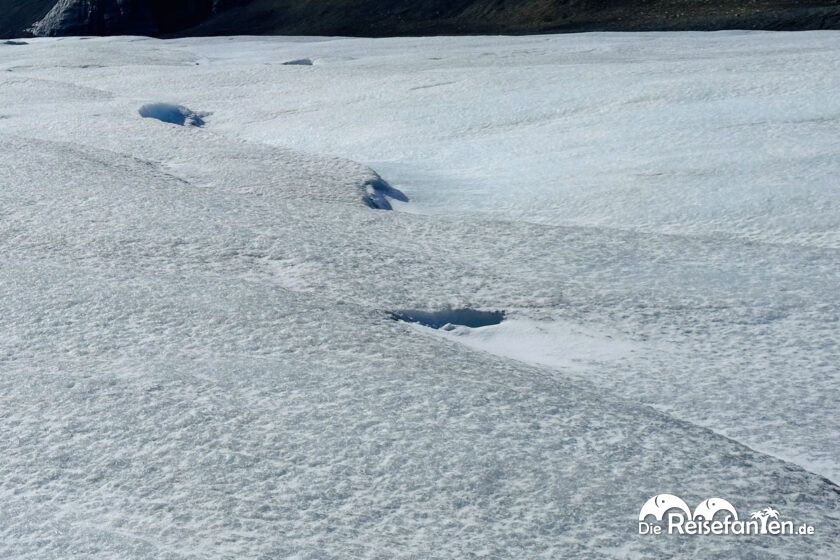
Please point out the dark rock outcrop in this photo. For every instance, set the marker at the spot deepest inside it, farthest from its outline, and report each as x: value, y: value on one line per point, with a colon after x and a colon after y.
x: 120, y: 17
x: 16, y: 16
x: 430, y: 17
x: 404, y: 17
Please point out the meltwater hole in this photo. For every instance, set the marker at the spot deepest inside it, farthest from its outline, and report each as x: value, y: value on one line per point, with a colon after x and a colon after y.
x: 378, y: 194
x: 172, y: 114
x: 472, y: 318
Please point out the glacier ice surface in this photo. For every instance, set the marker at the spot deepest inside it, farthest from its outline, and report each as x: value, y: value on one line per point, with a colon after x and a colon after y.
x: 197, y: 358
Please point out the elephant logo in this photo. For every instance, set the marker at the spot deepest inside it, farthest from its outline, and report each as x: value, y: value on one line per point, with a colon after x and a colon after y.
x: 714, y: 516
x: 659, y: 505
x: 707, y: 509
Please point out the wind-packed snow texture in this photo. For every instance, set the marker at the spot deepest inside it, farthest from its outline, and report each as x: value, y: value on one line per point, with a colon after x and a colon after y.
x: 197, y: 352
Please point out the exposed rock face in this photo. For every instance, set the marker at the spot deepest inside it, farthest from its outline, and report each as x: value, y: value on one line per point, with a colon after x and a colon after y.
x: 404, y: 17
x: 91, y: 17
x: 441, y: 17
x: 16, y: 16
x: 122, y: 17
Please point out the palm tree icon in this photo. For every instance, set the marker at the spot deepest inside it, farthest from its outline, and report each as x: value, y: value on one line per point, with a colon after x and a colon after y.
x: 761, y: 516
x: 770, y: 512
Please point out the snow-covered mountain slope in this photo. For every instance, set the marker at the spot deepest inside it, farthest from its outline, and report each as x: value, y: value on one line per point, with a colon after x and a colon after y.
x: 198, y: 357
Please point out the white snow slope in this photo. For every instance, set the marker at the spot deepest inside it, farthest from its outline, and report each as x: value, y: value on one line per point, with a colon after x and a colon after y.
x: 197, y: 359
